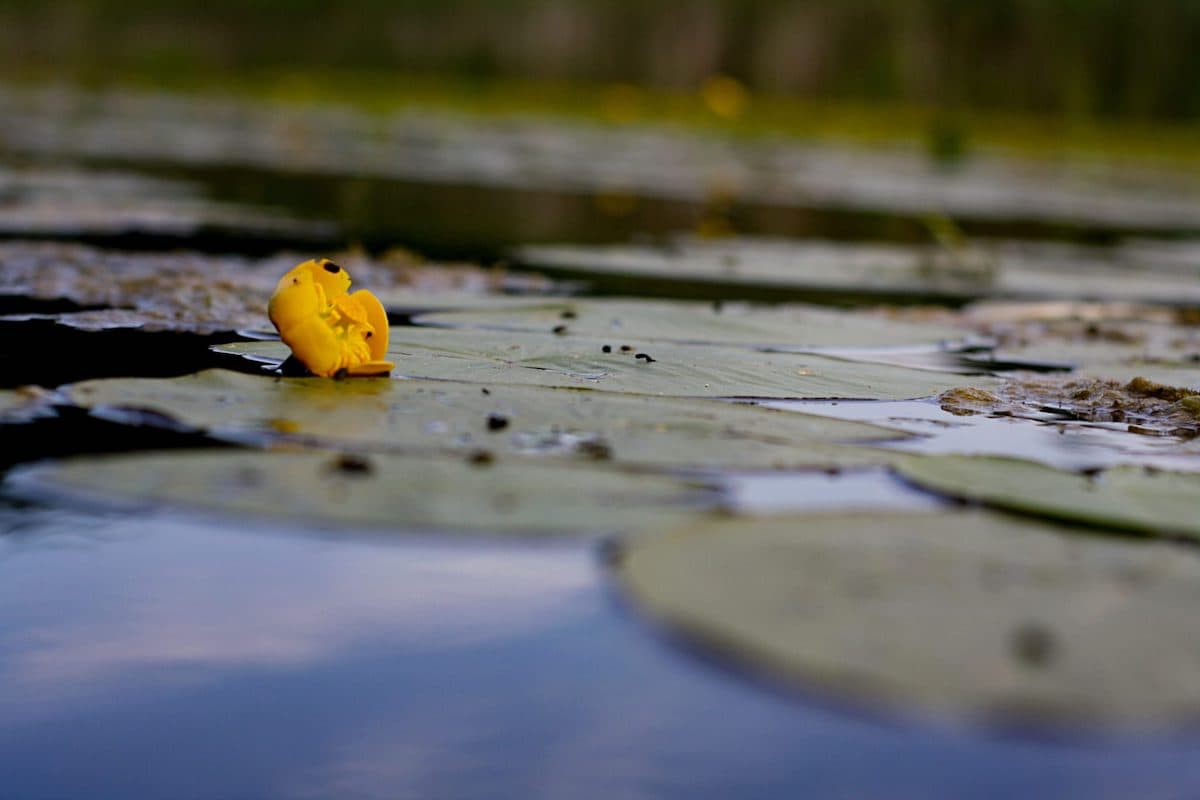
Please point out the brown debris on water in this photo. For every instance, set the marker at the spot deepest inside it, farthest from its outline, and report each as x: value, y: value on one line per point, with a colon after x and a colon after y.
x: 1145, y: 406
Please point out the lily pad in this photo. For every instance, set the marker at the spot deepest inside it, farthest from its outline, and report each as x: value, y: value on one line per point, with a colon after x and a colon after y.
x: 24, y: 404
x: 671, y: 370
x: 970, y: 615
x: 1131, y: 499
x: 74, y: 202
x: 401, y: 493
x: 784, y: 269
x: 197, y: 293
x: 787, y: 328
x: 382, y: 414
x: 571, y: 157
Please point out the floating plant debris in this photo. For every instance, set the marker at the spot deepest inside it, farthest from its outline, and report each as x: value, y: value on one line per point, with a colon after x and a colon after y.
x: 1139, y: 403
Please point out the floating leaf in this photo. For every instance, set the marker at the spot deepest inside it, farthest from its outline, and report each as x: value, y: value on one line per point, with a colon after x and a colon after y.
x: 1131, y: 499
x: 24, y: 404
x: 204, y: 293
x: 425, y: 415
x: 662, y: 369
x: 380, y: 491
x: 790, y: 328
x: 966, y: 614
x: 782, y: 269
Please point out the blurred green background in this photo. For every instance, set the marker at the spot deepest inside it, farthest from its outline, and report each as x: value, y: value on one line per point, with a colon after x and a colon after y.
x: 1078, y: 59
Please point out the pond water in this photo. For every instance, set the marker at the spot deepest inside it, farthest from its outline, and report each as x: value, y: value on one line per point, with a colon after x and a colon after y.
x: 165, y: 652
x: 168, y: 656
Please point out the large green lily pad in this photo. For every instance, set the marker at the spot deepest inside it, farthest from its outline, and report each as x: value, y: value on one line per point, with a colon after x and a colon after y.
x: 677, y: 370
x: 402, y: 493
x: 789, y: 328
x: 966, y: 614
x: 380, y: 414
x: 1129, y: 499
x: 780, y: 269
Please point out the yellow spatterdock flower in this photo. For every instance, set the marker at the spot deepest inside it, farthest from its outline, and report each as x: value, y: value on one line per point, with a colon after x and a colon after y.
x: 330, y: 332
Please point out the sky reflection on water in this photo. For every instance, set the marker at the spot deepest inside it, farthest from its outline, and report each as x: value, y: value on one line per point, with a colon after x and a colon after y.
x: 184, y: 657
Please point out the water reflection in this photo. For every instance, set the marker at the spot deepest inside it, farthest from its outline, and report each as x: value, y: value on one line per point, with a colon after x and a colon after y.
x: 184, y: 657
x: 1066, y: 445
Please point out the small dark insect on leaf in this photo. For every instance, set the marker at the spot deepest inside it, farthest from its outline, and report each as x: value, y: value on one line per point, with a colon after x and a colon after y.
x: 496, y: 422
x: 560, y: 329
x: 486, y: 390
x: 626, y: 348
x: 606, y: 349
x: 568, y: 314
x: 645, y: 357
x: 352, y: 464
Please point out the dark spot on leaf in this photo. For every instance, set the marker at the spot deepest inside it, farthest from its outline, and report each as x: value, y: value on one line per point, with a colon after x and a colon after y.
x: 352, y: 464
x: 568, y: 314
x: 331, y: 267
x: 1033, y: 645
x: 481, y: 458
x: 626, y: 348
x: 486, y: 390
x: 560, y: 329
x: 496, y: 422
x: 645, y: 357
x: 595, y: 449
x: 612, y: 553
x: 248, y: 476
x: 606, y: 349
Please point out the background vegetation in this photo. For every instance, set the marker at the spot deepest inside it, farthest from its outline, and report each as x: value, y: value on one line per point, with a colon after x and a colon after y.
x: 1077, y: 59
